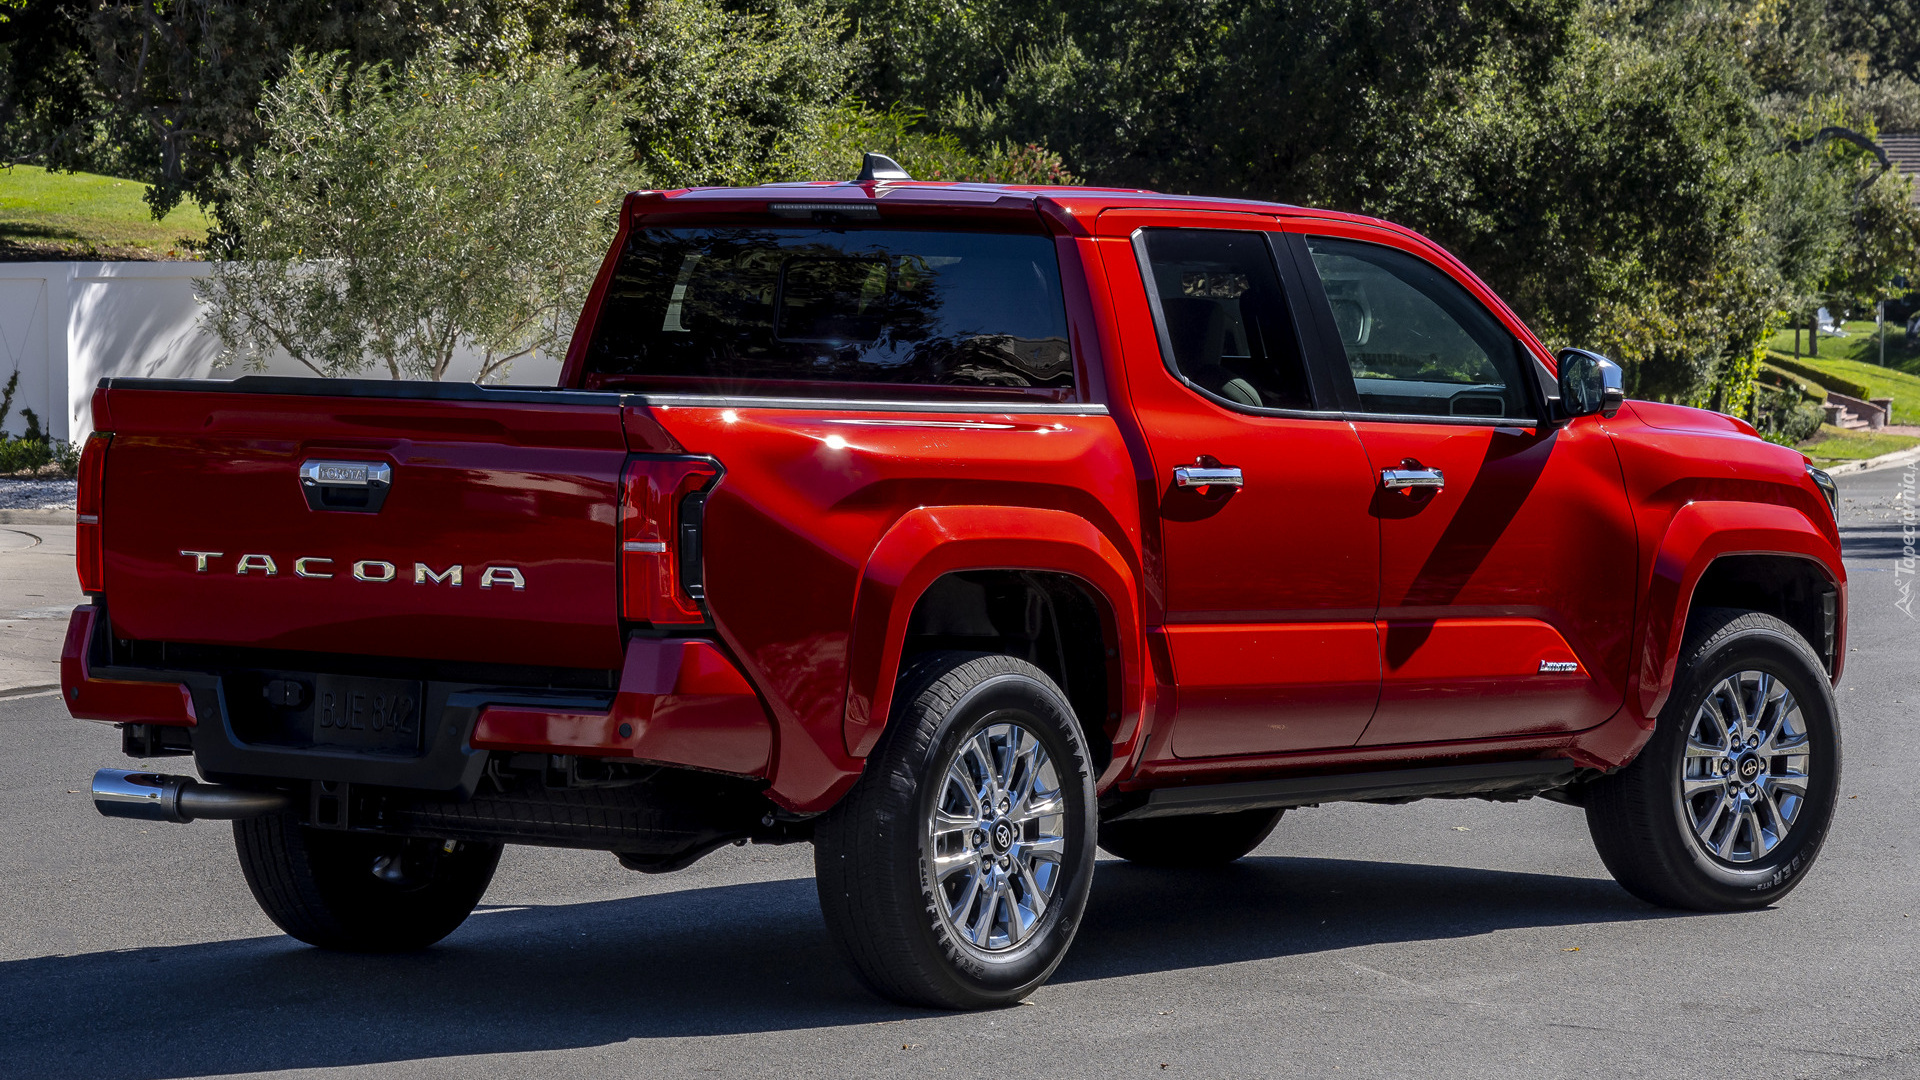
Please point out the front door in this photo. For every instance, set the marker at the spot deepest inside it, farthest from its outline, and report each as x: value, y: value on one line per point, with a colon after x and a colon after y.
x: 1267, y: 550
x: 1507, y: 545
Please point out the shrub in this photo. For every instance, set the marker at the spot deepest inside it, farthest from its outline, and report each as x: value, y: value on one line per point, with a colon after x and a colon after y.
x: 1827, y: 379
x: 32, y: 452
x: 392, y: 219
x: 1785, y: 415
x: 832, y: 150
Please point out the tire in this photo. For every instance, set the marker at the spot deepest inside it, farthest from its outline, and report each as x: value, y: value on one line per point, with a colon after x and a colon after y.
x: 906, y: 896
x: 1190, y: 840
x: 1652, y: 838
x: 322, y: 887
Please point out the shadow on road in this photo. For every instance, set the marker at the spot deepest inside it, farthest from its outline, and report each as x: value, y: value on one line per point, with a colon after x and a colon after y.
x: 727, y: 960
x: 1880, y: 542
x: 1143, y: 920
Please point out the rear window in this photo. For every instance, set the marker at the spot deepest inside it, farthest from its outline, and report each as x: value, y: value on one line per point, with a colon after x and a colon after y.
x: 737, y: 310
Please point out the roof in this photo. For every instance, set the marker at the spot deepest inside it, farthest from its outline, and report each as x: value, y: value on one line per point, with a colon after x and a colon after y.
x: 926, y: 196
x: 965, y: 194
x: 1904, y: 152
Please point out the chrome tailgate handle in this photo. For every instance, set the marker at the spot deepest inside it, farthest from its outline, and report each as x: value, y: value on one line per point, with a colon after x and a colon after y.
x: 1402, y: 479
x: 1193, y: 476
x: 352, y: 486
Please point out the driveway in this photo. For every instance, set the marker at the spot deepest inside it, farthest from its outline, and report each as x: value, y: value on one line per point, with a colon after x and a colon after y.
x: 1438, y: 939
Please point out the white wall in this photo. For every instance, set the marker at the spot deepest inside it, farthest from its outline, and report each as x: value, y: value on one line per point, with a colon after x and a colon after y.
x: 66, y: 325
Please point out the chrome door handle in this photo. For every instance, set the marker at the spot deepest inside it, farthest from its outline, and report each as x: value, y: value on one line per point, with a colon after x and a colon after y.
x: 1398, y: 479
x: 1188, y: 476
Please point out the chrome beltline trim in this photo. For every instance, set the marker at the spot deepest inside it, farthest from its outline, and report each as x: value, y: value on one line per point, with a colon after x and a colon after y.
x: 728, y: 401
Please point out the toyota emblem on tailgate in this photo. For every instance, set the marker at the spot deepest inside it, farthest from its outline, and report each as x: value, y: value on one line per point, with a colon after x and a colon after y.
x: 357, y: 473
x: 350, y: 486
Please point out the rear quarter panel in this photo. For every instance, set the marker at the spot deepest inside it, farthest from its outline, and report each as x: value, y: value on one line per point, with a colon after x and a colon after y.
x: 807, y: 495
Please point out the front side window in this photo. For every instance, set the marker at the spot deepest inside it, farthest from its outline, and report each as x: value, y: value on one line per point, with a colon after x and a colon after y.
x: 1416, y: 342
x: 732, y: 310
x: 1224, y: 317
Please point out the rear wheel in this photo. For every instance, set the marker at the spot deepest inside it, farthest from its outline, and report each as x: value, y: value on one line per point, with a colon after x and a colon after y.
x: 955, y: 872
x: 1189, y: 840
x: 358, y: 892
x: 1728, y: 804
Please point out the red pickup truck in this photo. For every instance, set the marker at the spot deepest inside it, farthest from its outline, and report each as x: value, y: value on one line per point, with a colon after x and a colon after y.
x: 957, y: 529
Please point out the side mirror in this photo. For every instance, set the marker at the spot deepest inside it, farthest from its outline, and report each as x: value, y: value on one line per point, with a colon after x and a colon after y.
x: 1589, y: 383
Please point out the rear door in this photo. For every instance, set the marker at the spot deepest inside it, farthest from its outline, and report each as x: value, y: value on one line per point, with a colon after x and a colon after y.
x: 1506, y: 545
x: 1271, y: 571
x: 478, y: 530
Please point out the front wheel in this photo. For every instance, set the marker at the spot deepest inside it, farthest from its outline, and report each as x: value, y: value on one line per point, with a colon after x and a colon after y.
x: 955, y: 872
x: 358, y: 892
x: 1727, y: 805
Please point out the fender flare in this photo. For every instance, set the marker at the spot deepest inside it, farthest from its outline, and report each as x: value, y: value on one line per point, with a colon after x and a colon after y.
x: 927, y: 543
x: 1699, y: 534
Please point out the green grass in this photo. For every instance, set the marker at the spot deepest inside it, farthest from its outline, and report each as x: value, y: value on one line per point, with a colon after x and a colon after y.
x: 1902, y: 387
x: 1835, y: 444
x: 1861, y: 344
x: 57, y: 215
x: 1776, y: 375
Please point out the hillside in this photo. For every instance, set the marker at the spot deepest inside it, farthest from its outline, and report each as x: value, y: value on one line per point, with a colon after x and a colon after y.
x: 52, y: 215
x: 1878, y: 381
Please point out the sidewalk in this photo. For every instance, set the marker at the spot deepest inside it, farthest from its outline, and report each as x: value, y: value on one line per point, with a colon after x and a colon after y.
x: 38, y: 591
x: 1884, y: 461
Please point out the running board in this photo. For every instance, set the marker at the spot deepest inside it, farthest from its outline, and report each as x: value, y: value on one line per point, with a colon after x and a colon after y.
x: 1515, y: 779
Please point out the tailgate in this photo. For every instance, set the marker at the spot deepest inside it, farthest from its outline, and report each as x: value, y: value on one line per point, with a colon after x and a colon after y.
x: 491, y: 540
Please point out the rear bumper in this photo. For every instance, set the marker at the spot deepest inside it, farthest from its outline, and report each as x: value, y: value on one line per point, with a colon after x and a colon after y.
x: 98, y: 696
x: 680, y: 701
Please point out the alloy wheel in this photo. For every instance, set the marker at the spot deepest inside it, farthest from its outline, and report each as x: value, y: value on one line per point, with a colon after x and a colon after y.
x: 1748, y: 763
x: 996, y: 837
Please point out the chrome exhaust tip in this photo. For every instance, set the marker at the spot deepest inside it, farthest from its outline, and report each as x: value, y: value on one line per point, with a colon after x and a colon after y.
x: 158, y: 797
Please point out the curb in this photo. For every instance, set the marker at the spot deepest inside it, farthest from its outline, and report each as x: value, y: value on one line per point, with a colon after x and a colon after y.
x: 1898, y: 457
x: 35, y: 690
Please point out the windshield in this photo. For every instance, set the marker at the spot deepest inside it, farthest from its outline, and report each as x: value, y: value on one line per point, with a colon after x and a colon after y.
x: 732, y: 310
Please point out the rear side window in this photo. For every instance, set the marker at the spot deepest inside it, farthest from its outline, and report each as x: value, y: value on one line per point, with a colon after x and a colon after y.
x: 733, y: 310
x: 1224, y: 319
x: 1415, y: 341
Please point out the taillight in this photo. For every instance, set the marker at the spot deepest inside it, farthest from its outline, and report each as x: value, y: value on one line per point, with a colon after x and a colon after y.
x: 661, y: 501
x: 89, y: 553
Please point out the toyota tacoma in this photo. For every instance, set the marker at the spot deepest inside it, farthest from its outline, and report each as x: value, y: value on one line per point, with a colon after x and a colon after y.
x: 958, y: 529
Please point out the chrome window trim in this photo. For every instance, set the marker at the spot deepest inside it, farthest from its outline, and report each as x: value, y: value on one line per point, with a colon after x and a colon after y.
x: 736, y: 401
x: 523, y: 395
x: 1516, y: 422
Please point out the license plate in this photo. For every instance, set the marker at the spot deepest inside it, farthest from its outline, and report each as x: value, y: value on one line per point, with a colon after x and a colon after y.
x: 371, y: 714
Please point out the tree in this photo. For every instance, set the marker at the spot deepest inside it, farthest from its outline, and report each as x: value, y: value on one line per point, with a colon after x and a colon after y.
x: 1620, y: 170
x: 52, y: 111
x: 185, y: 76
x: 713, y: 93
x: 1885, y: 32
x: 832, y: 146
x: 392, y: 219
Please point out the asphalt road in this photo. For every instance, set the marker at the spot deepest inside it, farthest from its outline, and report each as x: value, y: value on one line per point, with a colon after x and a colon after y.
x: 1439, y: 939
